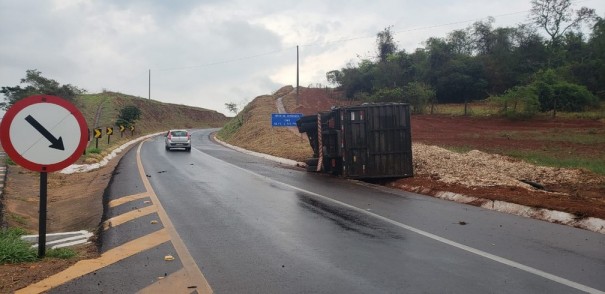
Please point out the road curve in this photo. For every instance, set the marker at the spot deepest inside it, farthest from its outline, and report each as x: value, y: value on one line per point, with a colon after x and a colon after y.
x: 253, y: 225
x: 217, y: 220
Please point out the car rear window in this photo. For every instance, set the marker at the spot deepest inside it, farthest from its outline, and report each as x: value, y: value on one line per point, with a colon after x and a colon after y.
x: 179, y: 133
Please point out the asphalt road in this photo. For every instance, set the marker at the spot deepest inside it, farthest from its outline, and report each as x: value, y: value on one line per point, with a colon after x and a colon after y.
x: 254, y: 226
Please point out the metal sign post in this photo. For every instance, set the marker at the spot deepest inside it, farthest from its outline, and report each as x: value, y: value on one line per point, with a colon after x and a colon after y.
x: 42, y: 213
x: 98, y: 135
x: 109, y: 132
x: 26, y: 131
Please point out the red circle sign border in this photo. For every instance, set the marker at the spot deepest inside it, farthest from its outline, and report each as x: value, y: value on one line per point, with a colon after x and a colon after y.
x: 9, y: 116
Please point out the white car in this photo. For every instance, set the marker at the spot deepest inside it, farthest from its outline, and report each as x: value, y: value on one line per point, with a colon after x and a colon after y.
x: 178, y: 139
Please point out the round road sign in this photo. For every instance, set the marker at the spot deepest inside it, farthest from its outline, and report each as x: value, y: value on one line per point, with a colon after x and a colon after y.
x: 43, y: 133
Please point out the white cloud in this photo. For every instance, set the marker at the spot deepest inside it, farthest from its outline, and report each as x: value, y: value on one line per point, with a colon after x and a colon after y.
x: 206, y: 53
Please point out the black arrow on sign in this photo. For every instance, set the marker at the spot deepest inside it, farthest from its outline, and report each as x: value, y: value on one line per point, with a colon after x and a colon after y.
x: 55, y: 143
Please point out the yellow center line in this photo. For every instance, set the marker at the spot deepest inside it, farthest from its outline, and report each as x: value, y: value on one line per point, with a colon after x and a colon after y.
x: 112, y: 256
x: 126, y: 199
x: 126, y: 217
x: 196, y: 276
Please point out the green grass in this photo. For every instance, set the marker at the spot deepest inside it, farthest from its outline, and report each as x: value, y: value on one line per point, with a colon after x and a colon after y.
x: 14, y: 250
x: 545, y: 159
x: 584, y: 137
x: 230, y: 128
x: 61, y: 253
x: 486, y: 108
x: 93, y: 150
x: 18, y: 219
x: 479, y: 109
x: 595, y: 165
x: 590, y: 114
x: 91, y: 103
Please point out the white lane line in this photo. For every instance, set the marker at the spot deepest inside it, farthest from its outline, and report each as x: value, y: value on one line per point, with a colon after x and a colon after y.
x: 490, y: 256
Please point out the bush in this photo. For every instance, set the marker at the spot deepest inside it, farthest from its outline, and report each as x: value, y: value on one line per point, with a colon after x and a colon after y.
x: 572, y: 98
x: 556, y: 94
x: 13, y: 249
x: 93, y: 150
x: 519, y: 102
x: 419, y: 95
x: 387, y: 95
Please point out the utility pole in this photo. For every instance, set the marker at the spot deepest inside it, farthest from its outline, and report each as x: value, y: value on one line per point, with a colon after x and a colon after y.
x: 149, y: 84
x: 297, y: 77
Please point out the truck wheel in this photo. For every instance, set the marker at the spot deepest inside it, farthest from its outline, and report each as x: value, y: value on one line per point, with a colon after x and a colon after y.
x: 312, y: 168
x: 312, y: 161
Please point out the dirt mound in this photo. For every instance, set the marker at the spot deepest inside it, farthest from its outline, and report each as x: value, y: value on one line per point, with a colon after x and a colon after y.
x: 479, y: 169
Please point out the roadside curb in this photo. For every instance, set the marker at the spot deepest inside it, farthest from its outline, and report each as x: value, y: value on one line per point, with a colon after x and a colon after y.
x: 593, y: 224
x: 78, y: 168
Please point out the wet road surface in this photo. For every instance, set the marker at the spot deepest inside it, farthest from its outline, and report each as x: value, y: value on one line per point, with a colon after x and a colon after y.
x: 253, y: 226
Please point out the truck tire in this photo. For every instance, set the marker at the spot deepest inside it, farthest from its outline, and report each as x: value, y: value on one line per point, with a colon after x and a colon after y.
x: 312, y: 168
x: 312, y: 161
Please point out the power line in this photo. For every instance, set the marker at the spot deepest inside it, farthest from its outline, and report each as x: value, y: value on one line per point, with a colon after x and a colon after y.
x: 225, y: 61
x: 319, y: 43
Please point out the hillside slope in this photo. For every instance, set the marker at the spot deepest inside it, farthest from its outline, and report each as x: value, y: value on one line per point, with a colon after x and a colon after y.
x: 155, y: 115
x: 251, y: 129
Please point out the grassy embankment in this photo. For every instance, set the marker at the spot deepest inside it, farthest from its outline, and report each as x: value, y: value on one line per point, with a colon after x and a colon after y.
x: 155, y: 117
x: 251, y: 129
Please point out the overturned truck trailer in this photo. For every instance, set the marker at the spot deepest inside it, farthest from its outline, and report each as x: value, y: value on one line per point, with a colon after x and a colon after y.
x: 360, y: 142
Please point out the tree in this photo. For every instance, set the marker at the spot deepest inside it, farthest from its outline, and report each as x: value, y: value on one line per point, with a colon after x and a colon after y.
x: 556, y: 17
x: 128, y: 115
x: 419, y: 95
x: 36, y: 84
x: 555, y: 94
x: 520, y: 102
x: 357, y: 80
x: 530, y: 54
x: 334, y: 77
x: 461, y: 42
x: 232, y: 107
x: 386, y: 44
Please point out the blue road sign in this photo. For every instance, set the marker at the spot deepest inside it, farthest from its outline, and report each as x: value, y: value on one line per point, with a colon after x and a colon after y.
x: 284, y: 119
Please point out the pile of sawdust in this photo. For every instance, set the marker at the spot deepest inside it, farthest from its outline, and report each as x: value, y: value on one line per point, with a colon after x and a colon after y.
x: 479, y: 169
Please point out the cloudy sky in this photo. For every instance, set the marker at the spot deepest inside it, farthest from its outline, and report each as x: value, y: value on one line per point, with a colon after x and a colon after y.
x: 209, y: 52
